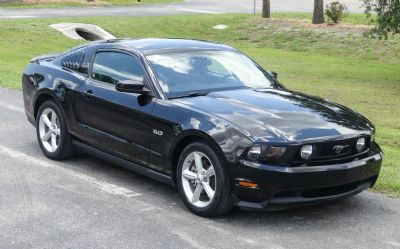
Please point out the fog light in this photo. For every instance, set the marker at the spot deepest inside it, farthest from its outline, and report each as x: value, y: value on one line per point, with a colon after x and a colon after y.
x: 360, y: 144
x: 306, y: 152
x: 254, y: 152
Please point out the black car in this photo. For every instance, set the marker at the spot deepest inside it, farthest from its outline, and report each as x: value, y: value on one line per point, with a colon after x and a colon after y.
x: 202, y: 117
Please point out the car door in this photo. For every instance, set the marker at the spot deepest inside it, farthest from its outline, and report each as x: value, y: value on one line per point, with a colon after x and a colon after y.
x: 115, y: 122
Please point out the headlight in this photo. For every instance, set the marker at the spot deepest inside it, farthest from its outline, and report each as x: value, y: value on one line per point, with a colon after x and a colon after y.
x: 306, y: 151
x: 360, y: 144
x: 275, y: 152
x: 254, y: 152
x: 265, y: 152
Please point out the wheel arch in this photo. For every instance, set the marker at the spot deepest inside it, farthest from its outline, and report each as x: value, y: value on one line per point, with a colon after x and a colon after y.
x: 39, y: 102
x: 44, y: 96
x: 187, y: 138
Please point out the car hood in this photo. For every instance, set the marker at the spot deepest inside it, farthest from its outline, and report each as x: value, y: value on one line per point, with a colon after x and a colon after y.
x: 275, y: 115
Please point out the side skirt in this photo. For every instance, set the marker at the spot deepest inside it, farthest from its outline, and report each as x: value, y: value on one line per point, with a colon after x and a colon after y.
x: 124, y: 163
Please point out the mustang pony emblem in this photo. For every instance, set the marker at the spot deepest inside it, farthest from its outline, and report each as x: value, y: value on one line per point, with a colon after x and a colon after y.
x: 339, y: 148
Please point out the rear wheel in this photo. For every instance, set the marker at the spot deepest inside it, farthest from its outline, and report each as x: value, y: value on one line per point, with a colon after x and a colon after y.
x: 203, y: 182
x: 52, y: 133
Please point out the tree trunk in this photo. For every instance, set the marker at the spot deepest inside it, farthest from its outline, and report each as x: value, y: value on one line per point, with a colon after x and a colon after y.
x: 266, y: 9
x: 318, y: 15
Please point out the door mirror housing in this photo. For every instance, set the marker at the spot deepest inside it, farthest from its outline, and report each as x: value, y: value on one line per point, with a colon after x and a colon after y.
x: 132, y: 86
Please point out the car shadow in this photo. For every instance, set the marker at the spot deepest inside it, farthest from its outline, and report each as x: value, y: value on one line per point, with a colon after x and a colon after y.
x: 333, y: 213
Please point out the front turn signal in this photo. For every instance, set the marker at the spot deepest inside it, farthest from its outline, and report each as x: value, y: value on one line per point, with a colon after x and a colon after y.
x: 248, y: 184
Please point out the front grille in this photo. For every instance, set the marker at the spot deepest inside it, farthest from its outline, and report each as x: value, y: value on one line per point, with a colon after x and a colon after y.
x: 328, y: 152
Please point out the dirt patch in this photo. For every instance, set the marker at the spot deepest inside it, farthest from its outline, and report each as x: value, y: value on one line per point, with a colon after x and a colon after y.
x: 341, y: 28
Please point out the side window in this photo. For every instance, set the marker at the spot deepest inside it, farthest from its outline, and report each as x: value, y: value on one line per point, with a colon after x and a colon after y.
x: 111, y: 67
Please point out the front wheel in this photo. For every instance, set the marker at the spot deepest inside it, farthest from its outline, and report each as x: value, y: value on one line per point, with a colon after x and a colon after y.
x: 203, y: 182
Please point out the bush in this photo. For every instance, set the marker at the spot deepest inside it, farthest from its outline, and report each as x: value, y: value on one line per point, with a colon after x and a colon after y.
x: 336, y: 11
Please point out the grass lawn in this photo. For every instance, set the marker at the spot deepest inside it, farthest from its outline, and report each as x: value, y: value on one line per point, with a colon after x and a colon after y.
x: 75, y: 3
x: 339, y: 65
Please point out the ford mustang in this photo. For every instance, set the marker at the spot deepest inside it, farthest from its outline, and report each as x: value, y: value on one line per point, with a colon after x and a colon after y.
x: 202, y: 117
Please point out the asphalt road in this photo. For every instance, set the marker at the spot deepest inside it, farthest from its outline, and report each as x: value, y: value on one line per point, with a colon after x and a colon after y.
x: 187, y: 7
x: 88, y: 203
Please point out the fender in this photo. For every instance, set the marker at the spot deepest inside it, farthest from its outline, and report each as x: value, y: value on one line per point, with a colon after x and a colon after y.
x: 182, y: 121
x: 193, y: 134
x: 50, y: 82
x: 230, y: 142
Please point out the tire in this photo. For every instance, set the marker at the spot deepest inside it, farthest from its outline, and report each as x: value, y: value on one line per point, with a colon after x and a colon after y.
x: 64, y: 148
x: 189, y: 179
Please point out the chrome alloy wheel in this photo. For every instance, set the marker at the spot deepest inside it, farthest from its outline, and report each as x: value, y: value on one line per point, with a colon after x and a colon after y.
x: 49, y: 130
x: 198, y: 179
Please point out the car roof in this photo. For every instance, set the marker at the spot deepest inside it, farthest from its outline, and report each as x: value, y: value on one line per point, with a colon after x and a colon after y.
x: 163, y: 45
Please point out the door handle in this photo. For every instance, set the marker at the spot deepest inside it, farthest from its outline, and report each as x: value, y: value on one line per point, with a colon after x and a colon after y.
x: 88, y: 94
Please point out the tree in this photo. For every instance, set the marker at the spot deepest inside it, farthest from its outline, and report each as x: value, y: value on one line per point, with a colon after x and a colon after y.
x: 266, y: 9
x: 387, y: 16
x: 318, y: 14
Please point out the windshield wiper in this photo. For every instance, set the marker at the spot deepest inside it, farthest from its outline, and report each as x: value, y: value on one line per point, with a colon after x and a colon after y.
x: 192, y: 94
x: 260, y: 89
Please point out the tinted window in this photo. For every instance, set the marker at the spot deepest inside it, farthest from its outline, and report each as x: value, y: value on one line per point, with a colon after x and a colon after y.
x: 111, y: 67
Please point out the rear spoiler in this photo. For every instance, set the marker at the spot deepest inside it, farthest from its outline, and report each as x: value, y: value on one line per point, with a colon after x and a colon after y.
x: 45, y: 57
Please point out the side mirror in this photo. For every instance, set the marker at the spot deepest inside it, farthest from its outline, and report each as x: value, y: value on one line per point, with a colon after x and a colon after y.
x: 275, y: 74
x: 131, y: 86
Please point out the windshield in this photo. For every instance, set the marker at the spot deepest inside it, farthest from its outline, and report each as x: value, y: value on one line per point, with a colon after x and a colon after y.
x: 184, y: 73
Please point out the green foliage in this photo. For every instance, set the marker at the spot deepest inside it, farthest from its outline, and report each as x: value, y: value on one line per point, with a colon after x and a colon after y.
x: 336, y: 11
x: 387, y: 17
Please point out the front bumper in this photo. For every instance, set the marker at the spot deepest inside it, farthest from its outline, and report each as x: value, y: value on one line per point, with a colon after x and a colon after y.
x: 289, y: 186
